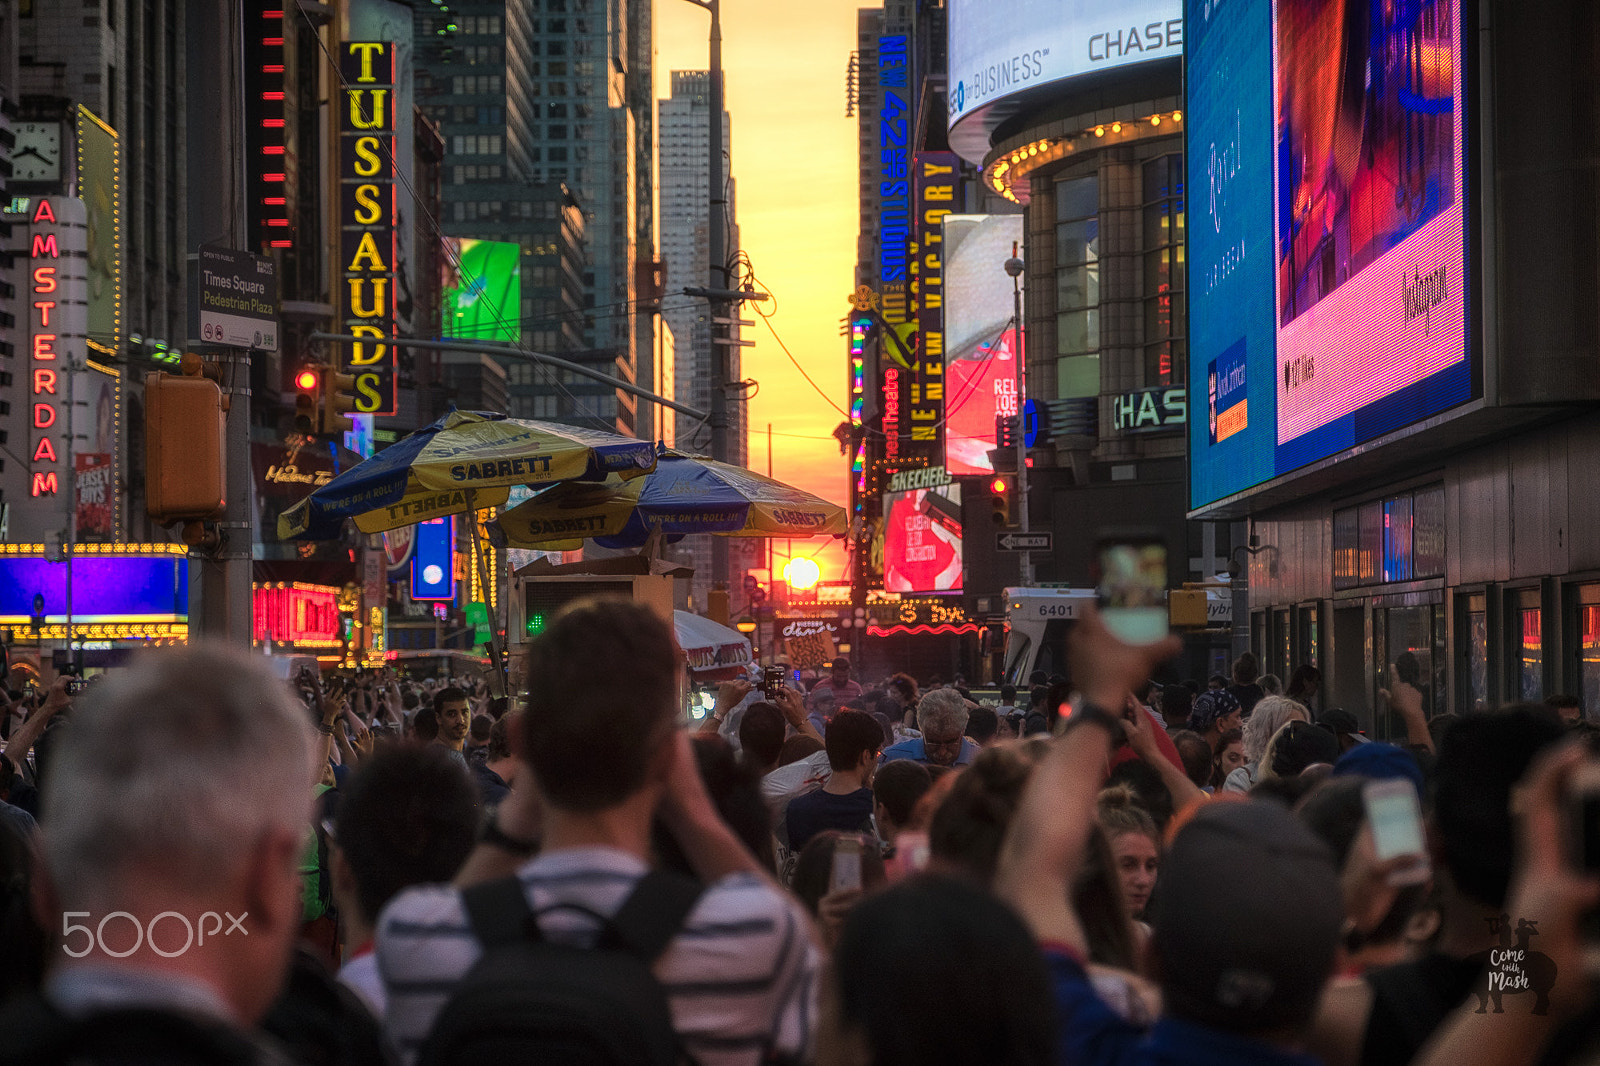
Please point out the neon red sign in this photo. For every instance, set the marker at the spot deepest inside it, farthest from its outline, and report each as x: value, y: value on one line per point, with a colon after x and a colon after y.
x: 307, y: 615
x: 44, y: 374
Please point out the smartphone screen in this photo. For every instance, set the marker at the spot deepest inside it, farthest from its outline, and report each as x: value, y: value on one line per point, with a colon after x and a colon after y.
x: 1396, y: 820
x: 1133, y: 589
x: 846, y: 875
x: 1585, y: 817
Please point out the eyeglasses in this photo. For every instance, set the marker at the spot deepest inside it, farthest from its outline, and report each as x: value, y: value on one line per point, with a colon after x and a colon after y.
x: 951, y: 742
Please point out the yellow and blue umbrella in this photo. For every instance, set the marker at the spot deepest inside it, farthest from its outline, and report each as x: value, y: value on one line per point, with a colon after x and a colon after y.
x: 684, y: 494
x: 466, y: 461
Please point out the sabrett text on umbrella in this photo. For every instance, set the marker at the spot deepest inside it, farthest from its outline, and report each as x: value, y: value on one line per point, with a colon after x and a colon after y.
x: 522, y: 466
x: 450, y: 502
x: 585, y: 524
x: 800, y: 518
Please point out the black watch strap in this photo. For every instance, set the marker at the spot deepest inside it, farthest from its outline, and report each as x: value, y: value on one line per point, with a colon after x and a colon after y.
x: 491, y: 833
x: 1088, y: 713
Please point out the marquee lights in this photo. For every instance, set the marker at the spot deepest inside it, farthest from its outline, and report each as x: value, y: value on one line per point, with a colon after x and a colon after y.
x: 161, y: 548
x: 1008, y: 173
x: 297, y: 613
x: 859, y: 328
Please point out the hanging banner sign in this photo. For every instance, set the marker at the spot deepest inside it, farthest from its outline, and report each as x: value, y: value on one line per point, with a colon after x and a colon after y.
x: 367, y: 219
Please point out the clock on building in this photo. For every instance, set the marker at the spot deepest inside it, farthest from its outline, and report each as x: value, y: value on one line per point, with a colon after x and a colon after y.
x: 36, y: 156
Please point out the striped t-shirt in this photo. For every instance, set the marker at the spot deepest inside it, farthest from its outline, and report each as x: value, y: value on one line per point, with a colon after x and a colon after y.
x: 740, y: 977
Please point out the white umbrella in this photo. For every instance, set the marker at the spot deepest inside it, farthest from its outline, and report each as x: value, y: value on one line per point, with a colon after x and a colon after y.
x: 711, y: 647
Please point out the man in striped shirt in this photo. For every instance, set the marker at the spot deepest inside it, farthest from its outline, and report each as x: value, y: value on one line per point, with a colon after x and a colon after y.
x: 599, y: 734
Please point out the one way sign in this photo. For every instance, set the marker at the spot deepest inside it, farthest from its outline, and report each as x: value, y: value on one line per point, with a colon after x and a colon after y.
x: 1023, y: 542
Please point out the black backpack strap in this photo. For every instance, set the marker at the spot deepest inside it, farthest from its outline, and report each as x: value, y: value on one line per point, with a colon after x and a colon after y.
x: 499, y: 912
x: 652, y: 914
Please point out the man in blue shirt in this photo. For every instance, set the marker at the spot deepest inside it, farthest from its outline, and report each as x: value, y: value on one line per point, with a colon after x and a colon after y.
x: 1244, y: 943
x: 845, y: 802
x: 942, y: 718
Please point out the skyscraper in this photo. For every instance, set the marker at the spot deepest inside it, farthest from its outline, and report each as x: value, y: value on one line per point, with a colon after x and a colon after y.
x: 544, y: 105
x: 685, y: 249
x: 685, y: 136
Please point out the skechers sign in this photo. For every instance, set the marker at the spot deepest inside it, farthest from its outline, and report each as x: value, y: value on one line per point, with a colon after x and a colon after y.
x: 1002, y: 47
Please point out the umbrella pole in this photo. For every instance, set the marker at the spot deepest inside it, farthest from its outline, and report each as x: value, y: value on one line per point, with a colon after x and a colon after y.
x: 496, y: 660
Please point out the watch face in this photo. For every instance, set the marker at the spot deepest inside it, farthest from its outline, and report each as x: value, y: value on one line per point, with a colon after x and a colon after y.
x: 36, y: 155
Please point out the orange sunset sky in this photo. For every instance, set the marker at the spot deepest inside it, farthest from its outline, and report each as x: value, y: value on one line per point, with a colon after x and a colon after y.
x: 794, y: 158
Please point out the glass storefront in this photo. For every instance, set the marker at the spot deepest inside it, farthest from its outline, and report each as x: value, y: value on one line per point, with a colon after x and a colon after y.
x: 1589, y: 656
x: 1410, y: 647
x: 1475, y: 631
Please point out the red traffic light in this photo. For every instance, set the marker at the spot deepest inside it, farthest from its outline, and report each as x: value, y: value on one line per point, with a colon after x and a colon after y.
x: 306, y: 380
x: 999, y: 485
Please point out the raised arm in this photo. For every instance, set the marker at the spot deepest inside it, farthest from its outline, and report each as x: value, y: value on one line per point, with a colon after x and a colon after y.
x: 1049, y: 834
x: 1141, y: 732
x: 729, y: 695
x: 793, y: 706
x: 24, y: 736
x: 1552, y: 894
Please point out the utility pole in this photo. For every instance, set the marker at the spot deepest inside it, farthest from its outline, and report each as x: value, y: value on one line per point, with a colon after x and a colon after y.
x: 219, y: 580
x: 717, y: 240
x: 1014, y: 268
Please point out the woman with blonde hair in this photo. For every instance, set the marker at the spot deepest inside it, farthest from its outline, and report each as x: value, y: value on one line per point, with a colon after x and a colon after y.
x: 1269, y: 716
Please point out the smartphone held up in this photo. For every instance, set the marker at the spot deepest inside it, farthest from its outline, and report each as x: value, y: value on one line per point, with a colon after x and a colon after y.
x: 1132, y: 588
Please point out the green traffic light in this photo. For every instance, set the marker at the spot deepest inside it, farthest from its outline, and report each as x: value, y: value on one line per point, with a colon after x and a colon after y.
x: 535, y: 625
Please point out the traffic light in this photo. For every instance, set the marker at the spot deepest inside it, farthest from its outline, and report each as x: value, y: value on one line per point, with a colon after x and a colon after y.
x: 185, y: 470
x: 1001, y: 490
x: 338, y: 401
x: 307, y: 389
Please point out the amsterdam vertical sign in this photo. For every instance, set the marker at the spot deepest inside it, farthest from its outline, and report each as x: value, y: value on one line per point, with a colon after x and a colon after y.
x: 367, y: 218
x: 57, y: 298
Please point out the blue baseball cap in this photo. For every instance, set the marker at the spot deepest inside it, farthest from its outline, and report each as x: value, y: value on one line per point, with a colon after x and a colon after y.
x: 1380, y: 762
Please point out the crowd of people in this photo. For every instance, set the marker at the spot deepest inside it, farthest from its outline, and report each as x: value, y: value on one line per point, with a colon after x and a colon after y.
x: 201, y: 864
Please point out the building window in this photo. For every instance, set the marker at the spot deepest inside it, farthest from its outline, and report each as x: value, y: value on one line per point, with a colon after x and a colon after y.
x: 1399, y: 538
x: 1165, y: 317
x: 1078, y: 286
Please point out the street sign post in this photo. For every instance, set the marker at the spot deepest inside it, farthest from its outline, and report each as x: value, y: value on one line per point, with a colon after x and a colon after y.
x: 1024, y: 542
x: 233, y: 299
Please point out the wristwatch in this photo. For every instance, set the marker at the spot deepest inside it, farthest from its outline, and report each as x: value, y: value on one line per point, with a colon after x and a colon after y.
x: 490, y: 833
x: 1093, y: 713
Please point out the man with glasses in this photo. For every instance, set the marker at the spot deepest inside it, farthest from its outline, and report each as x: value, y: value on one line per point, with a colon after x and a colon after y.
x: 942, y: 716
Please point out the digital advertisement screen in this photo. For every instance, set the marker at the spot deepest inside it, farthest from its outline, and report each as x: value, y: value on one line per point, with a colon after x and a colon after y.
x: 1002, y: 47
x: 482, y: 290
x: 980, y: 337
x: 105, y: 588
x: 922, y: 540
x: 433, y: 569
x: 1329, y: 306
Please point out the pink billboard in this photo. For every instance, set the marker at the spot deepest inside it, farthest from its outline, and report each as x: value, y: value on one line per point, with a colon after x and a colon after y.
x: 980, y: 336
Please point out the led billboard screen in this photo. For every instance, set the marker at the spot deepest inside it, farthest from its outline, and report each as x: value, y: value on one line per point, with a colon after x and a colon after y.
x: 433, y: 560
x: 922, y: 540
x: 980, y: 337
x: 482, y: 290
x: 999, y: 48
x: 1328, y: 307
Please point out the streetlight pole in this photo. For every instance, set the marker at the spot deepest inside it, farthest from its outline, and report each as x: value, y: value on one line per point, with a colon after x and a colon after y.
x: 717, y: 241
x: 1014, y: 268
